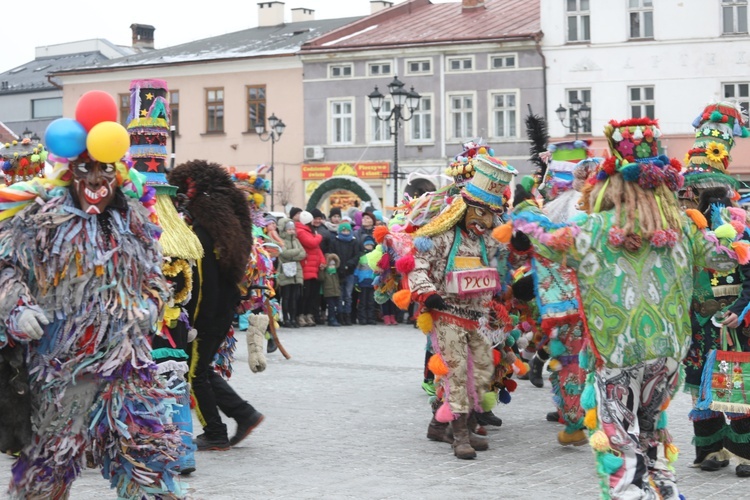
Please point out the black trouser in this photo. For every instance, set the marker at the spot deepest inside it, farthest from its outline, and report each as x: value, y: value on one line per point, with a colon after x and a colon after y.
x: 290, y: 295
x: 213, y: 392
x: 366, y: 306
x: 311, y: 298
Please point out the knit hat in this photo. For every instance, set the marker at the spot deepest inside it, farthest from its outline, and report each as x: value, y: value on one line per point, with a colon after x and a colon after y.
x: 289, y: 225
x: 317, y: 214
x: 707, y: 162
x: 334, y: 211
x: 345, y: 226
x: 294, y: 211
x: 487, y: 188
x: 370, y: 215
x: 369, y: 240
x: 305, y: 217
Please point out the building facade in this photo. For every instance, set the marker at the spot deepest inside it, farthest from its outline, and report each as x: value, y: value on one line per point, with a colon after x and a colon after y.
x: 477, y: 66
x: 631, y: 58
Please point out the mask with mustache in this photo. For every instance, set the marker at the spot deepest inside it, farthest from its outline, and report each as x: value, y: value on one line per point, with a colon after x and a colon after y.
x: 478, y: 220
x: 94, y: 184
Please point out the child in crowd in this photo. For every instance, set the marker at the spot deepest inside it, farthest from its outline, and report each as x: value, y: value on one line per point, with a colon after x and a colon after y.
x: 365, y: 276
x: 331, y: 287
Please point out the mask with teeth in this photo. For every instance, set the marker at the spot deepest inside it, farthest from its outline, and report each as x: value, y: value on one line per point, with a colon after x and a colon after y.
x: 94, y: 184
x: 478, y: 220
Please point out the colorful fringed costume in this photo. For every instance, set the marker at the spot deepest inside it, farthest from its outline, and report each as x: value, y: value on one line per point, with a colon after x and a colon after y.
x: 98, y: 280
x: 636, y: 282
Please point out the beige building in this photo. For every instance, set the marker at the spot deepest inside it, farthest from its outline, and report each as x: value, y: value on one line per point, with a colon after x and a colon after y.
x: 220, y: 89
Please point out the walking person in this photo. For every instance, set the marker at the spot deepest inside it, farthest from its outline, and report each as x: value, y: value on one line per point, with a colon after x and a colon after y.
x: 328, y: 275
x: 290, y: 277
x: 309, y: 309
x: 364, y: 276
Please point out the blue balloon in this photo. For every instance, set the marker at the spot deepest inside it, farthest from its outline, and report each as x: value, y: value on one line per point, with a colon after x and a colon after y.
x: 65, y: 137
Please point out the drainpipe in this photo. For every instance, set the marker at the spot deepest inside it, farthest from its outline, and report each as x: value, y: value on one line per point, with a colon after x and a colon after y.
x: 442, y: 109
x: 537, y: 39
x: 49, y: 79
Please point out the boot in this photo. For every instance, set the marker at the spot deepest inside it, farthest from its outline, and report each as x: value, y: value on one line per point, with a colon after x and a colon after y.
x: 310, y: 320
x: 461, y: 445
x: 347, y: 320
x: 710, y: 456
x: 535, y: 371
x: 302, y: 320
x: 739, y: 430
x: 271, y: 346
x: 553, y: 416
x: 575, y: 438
x: 489, y: 418
x: 438, y: 431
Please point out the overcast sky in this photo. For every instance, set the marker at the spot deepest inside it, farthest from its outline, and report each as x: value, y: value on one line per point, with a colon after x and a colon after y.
x: 50, y: 22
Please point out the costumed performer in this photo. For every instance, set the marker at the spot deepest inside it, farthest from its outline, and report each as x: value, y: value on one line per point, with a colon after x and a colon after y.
x: 81, y: 284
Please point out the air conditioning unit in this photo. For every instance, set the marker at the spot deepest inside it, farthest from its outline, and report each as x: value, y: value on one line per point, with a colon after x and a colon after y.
x: 314, y: 153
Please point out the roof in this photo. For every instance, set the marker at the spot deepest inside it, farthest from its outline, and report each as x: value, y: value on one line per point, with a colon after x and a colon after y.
x: 32, y: 76
x: 420, y: 22
x: 284, y: 39
x: 6, y: 134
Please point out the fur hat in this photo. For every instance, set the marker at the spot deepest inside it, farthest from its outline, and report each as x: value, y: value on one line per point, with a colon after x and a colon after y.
x: 333, y: 257
x: 305, y: 217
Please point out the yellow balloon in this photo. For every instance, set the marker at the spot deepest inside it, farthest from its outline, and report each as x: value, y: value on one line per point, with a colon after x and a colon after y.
x: 107, y: 142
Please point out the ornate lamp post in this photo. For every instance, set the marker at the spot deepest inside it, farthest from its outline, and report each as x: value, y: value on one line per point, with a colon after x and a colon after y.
x: 579, y: 113
x: 276, y: 128
x: 401, y: 99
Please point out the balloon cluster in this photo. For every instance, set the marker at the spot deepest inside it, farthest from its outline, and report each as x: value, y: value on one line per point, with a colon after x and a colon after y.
x: 95, y: 129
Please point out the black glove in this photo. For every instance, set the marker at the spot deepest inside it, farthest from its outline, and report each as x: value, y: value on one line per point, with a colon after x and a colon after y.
x: 436, y: 302
x: 523, y: 289
x: 520, y: 241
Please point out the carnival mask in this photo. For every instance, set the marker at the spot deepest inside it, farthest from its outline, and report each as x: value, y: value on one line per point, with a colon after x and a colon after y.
x: 94, y: 184
x: 478, y: 220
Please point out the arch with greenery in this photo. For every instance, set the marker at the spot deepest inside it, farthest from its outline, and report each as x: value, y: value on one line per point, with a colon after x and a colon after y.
x: 343, y: 183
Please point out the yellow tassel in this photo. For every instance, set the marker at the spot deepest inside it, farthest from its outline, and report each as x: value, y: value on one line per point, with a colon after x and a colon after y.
x: 177, y: 239
x: 725, y: 231
x: 437, y: 366
x: 671, y: 452
x: 590, y: 419
x: 698, y: 218
x: 599, y: 441
x: 402, y: 299
x: 424, y: 322
x: 503, y: 233
x: 555, y: 365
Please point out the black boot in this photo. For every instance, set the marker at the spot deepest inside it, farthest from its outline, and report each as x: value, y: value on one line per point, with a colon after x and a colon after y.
x: 489, y: 418
x: 271, y: 346
x: 535, y: 371
x: 709, y: 454
x: 553, y: 416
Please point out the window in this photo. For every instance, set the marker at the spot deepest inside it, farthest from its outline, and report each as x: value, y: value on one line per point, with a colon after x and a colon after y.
x: 342, y: 122
x: 739, y: 92
x: 46, y: 108
x: 734, y: 16
x: 214, y: 110
x: 503, y: 61
x: 174, y: 110
x: 380, y: 131
x: 583, y: 95
x: 504, y: 112
x: 462, y: 116
x: 460, y: 63
x: 340, y: 70
x: 256, y: 106
x: 641, y: 18
x: 379, y: 69
x: 577, y: 12
x: 124, y: 100
x: 641, y: 102
x: 421, y: 124
x: 418, y: 66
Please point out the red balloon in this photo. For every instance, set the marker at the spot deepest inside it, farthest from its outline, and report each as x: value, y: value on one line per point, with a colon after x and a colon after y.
x: 95, y: 107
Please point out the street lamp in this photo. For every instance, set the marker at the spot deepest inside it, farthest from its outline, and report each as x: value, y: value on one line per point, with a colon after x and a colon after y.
x: 401, y: 98
x: 27, y: 133
x: 579, y: 113
x: 276, y: 128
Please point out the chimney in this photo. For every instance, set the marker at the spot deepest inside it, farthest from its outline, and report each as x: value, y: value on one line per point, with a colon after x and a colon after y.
x: 143, y: 36
x: 470, y: 5
x: 301, y: 14
x: 378, y: 5
x: 270, y: 14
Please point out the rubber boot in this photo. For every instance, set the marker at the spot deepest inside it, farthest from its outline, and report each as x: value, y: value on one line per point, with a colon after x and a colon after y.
x: 535, y: 371
x: 709, y: 457
x: 461, y: 445
x: 438, y: 431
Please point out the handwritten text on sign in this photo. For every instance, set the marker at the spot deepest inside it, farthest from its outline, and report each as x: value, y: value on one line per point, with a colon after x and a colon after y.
x: 472, y: 281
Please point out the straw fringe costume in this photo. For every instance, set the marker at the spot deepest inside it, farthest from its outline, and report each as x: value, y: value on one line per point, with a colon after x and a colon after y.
x: 94, y: 385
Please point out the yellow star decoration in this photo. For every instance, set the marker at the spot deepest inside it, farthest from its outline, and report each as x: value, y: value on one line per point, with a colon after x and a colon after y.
x: 149, y: 96
x: 715, y: 133
x: 714, y: 281
x: 144, y: 112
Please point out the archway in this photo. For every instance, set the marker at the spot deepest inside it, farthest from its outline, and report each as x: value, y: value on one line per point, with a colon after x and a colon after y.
x: 343, y: 183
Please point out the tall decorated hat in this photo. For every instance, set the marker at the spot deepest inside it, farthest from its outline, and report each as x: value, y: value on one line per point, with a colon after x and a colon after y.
x: 462, y: 166
x: 22, y: 160
x: 488, y: 187
x: 707, y: 162
x: 562, y: 158
x: 148, y: 126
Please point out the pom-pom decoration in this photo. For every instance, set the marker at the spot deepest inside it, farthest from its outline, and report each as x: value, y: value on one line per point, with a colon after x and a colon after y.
x: 725, y: 231
x: 444, y: 414
x: 590, y: 419
x: 489, y: 401
x: 509, y: 384
x: 405, y: 264
x: 698, y: 218
x: 379, y: 233
x: 599, y: 441
x: 503, y: 233
x: 503, y: 396
x: 424, y: 322
x: 437, y: 366
x: 495, y: 357
x: 609, y: 463
x: 742, y: 250
x: 671, y: 452
x: 402, y: 299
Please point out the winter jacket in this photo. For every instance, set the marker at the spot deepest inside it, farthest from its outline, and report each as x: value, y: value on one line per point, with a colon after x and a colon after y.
x: 363, y: 273
x: 311, y: 243
x: 292, y: 252
x: 362, y: 233
x: 331, y: 284
x: 348, y: 253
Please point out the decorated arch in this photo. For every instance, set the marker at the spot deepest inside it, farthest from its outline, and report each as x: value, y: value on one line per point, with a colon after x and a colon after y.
x: 343, y: 183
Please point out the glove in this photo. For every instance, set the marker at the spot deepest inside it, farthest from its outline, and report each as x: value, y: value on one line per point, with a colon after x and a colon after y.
x: 436, y: 302
x: 192, y: 334
x: 520, y: 241
x: 30, y: 322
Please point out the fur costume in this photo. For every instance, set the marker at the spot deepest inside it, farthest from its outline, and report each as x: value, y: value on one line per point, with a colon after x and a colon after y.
x: 98, y: 280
